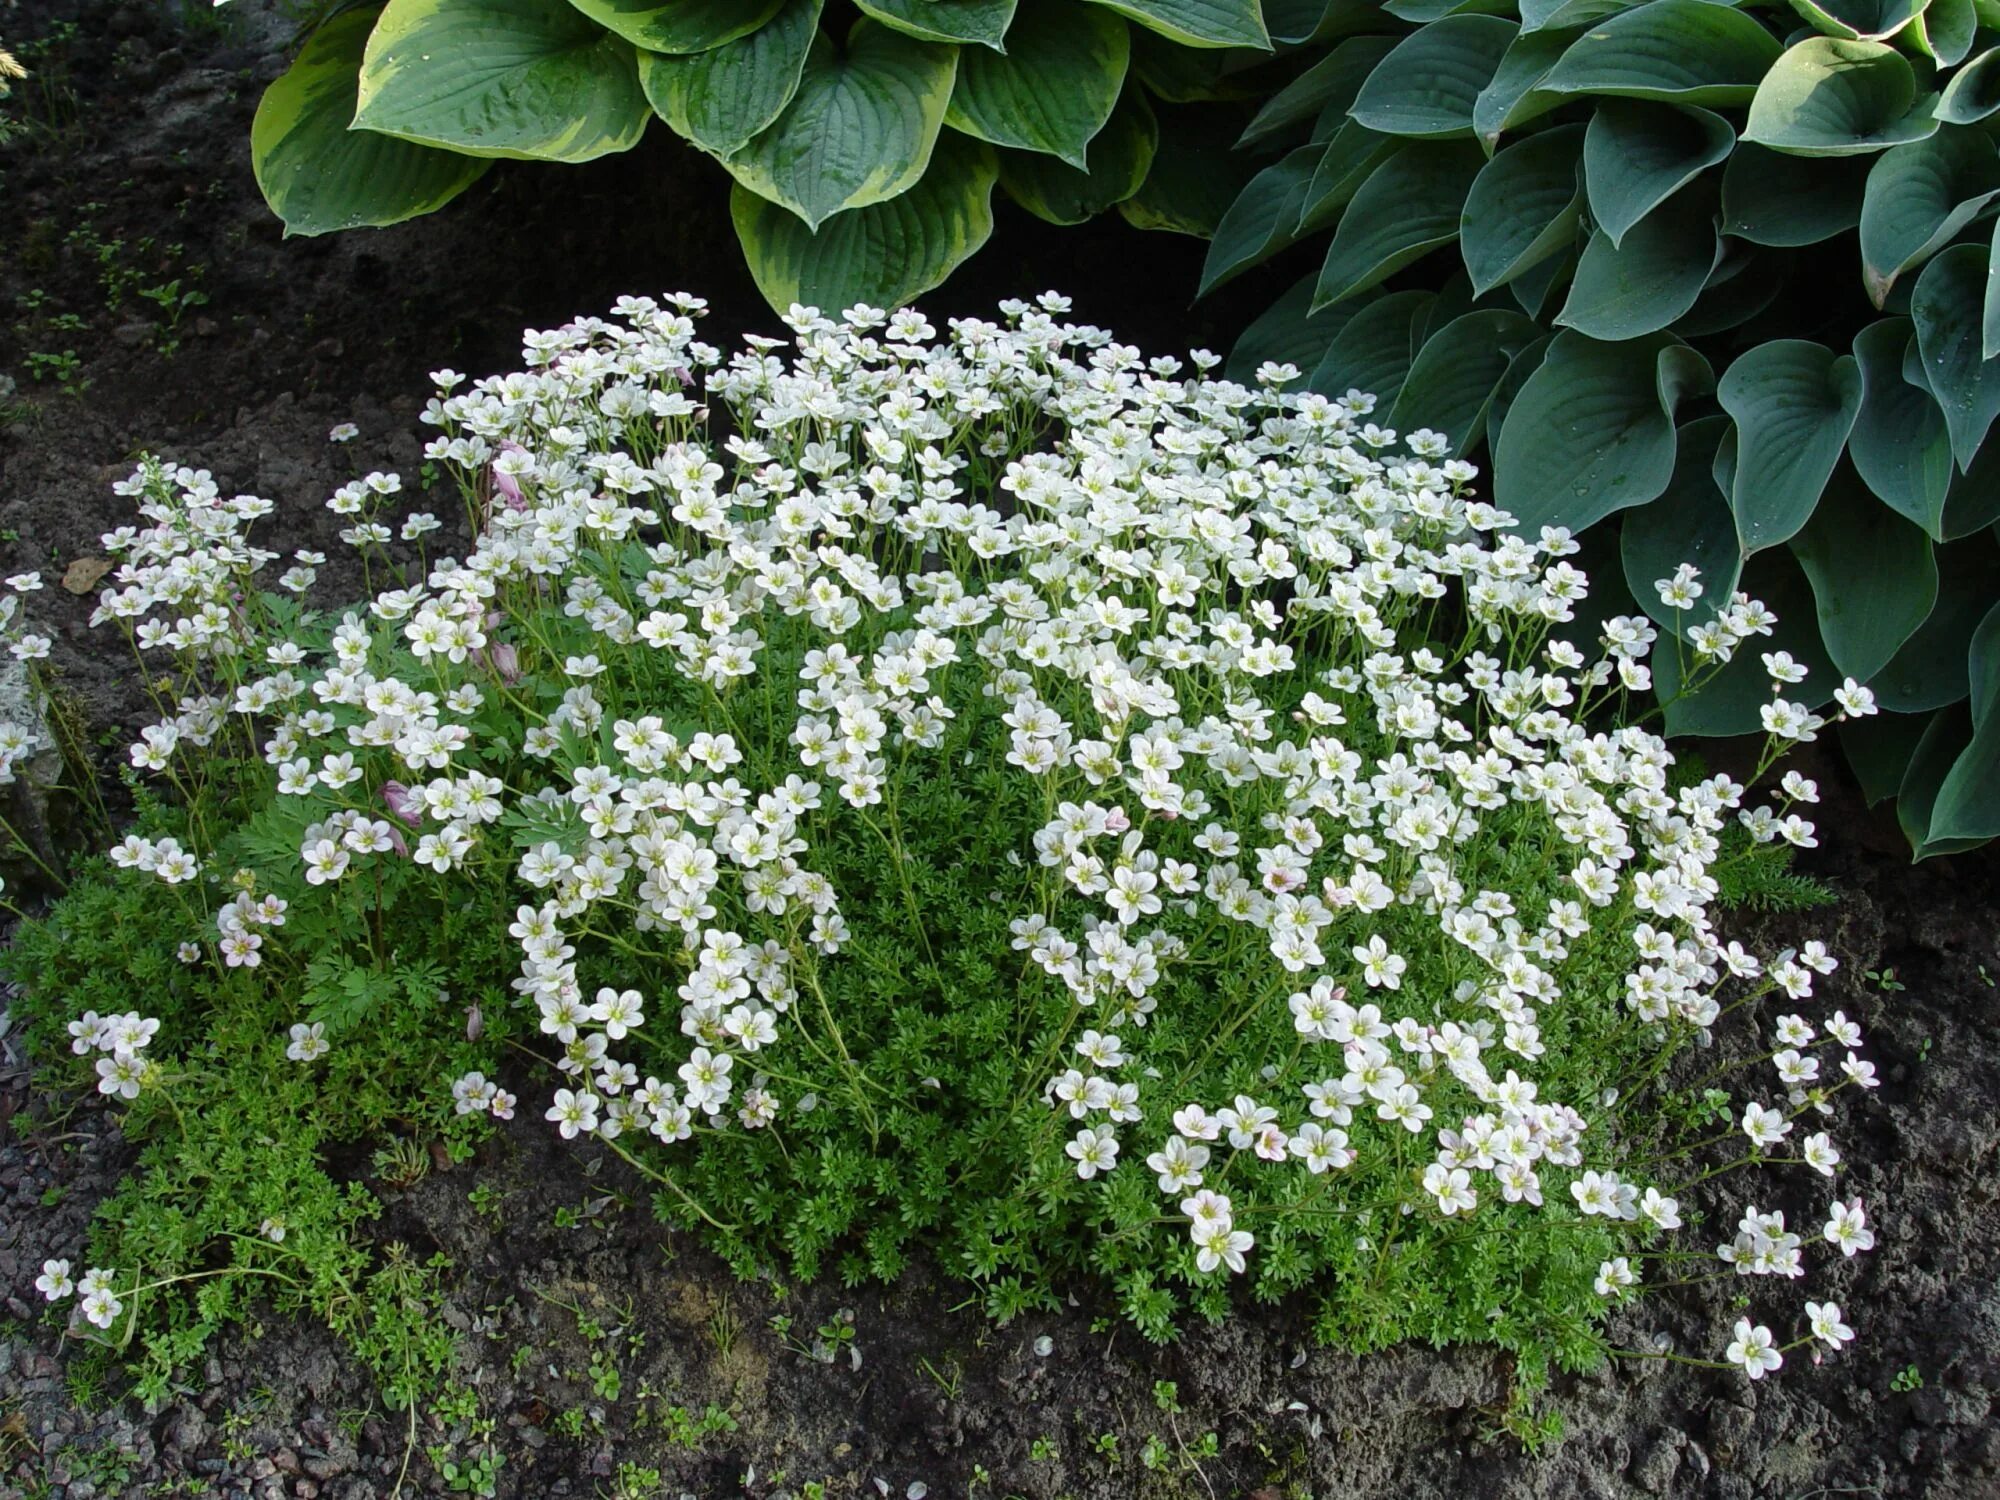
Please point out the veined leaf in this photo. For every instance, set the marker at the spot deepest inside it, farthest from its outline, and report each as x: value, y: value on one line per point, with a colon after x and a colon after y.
x: 1515, y: 96
x: 1794, y: 403
x: 1198, y: 23
x: 1943, y: 30
x: 1408, y: 206
x: 319, y: 176
x: 980, y: 22
x: 1194, y: 176
x: 1262, y: 220
x: 1899, y: 445
x: 1859, y: 20
x: 1931, y: 669
x: 1689, y: 523
x: 886, y: 253
x: 1678, y: 51
x: 1968, y: 802
x: 1375, y: 348
x: 1451, y: 381
x: 1772, y: 199
x: 1643, y: 285
x: 1329, y: 84
x: 1827, y: 97
x: 1874, y: 578
x: 720, y: 98
x: 1948, y: 309
x: 1426, y: 88
x: 1592, y: 430
x: 679, y: 26
x: 1347, y: 161
x: 859, y: 130
x: 1054, y: 86
x: 1523, y: 207
x: 1639, y: 154
x: 1919, y: 196
x: 532, y: 79
x: 1120, y: 157
x: 1287, y: 333
x: 1973, y: 92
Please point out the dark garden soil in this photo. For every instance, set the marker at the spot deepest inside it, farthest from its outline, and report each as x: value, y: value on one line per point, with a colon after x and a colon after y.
x: 135, y: 174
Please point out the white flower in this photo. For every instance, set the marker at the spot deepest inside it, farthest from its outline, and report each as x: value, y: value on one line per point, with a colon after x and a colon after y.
x: 1827, y: 1325
x: 1847, y: 1228
x: 1093, y: 1150
x: 1754, y: 1349
x: 54, y: 1283
x: 308, y: 1043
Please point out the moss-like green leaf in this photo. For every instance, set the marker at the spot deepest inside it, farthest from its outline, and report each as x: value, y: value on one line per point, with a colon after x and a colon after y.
x: 319, y: 176
x: 886, y: 253
x: 720, y: 98
x: 859, y: 130
x: 1054, y: 86
x: 531, y: 79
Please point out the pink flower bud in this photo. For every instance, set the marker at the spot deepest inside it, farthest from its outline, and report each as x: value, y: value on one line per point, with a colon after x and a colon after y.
x: 401, y: 804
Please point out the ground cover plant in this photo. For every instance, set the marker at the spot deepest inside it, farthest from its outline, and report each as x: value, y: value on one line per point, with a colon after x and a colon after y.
x: 989, y: 795
x: 865, y: 141
x: 1723, y: 270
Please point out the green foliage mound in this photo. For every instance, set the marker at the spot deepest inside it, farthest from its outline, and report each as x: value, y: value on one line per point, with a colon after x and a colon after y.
x: 1722, y: 269
x: 993, y: 797
x: 865, y: 141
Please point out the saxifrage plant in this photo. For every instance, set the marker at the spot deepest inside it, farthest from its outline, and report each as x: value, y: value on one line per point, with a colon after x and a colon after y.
x: 1725, y: 269
x: 996, y: 797
x: 865, y: 139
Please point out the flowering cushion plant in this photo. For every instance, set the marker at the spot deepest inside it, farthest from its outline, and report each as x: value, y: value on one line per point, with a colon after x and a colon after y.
x: 1001, y: 796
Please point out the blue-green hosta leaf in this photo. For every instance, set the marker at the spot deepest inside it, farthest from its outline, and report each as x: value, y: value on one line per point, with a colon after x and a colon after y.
x: 1329, y: 84
x: 1967, y: 808
x: 1194, y: 177
x: 1731, y: 702
x: 1931, y: 669
x: 530, y: 79
x: 1592, y: 430
x: 1859, y: 20
x: 1919, y: 197
x: 1677, y: 51
x: 1560, y: 15
x: 318, y: 175
x: 1347, y: 161
x: 980, y: 22
x: 1198, y: 23
x: 1827, y: 97
x: 720, y: 98
x: 1943, y: 30
x: 1689, y: 523
x: 1643, y: 285
x: 1973, y: 92
x: 1948, y: 309
x: 1989, y: 330
x: 1900, y: 445
x: 1451, y: 382
x: 679, y: 26
x: 1262, y: 220
x: 1054, y: 86
x: 1286, y: 333
x: 1772, y: 199
x: 1639, y: 154
x: 885, y: 254
x: 1523, y: 207
x: 1946, y: 736
x: 1794, y: 403
x: 1408, y: 207
x: 1374, y: 351
x: 1176, y: 74
x: 1874, y: 578
x: 1120, y: 157
x: 859, y: 130
x: 1515, y: 95
x: 1879, y: 749
x: 1745, y: 282
x: 1426, y: 88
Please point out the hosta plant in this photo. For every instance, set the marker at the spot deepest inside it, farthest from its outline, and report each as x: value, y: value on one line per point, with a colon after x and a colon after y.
x: 1722, y: 269
x: 865, y: 140
x: 998, y: 798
